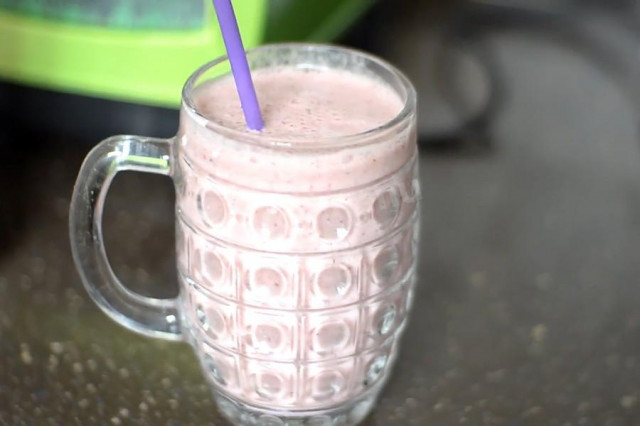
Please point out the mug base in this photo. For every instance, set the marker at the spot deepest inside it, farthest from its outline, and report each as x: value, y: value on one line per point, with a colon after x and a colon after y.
x: 350, y: 413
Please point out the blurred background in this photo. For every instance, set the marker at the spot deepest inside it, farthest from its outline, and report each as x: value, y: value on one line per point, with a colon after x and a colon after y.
x: 528, y: 311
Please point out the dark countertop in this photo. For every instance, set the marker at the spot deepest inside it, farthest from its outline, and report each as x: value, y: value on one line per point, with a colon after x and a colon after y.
x: 528, y: 309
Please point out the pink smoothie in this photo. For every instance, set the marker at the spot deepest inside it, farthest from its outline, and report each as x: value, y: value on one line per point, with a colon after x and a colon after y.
x: 296, y: 247
x: 304, y: 106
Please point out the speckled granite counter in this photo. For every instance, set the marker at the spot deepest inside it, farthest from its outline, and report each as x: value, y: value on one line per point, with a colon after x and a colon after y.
x: 528, y: 312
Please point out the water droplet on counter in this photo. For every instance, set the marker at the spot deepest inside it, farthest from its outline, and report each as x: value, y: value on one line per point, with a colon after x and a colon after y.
x: 25, y: 354
x: 56, y: 347
x: 92, y: 364
x: 53, y: 362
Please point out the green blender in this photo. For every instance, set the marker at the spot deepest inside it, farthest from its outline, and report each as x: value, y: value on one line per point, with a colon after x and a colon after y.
x: 126, y: 50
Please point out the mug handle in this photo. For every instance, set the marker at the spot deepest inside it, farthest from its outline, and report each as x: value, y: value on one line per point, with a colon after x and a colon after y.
x: 146, y: 315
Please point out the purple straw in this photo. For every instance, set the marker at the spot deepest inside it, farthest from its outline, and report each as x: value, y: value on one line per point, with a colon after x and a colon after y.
x: 239, y: 64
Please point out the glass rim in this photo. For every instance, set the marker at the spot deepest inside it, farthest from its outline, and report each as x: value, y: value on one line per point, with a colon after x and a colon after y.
x: 295, y: 143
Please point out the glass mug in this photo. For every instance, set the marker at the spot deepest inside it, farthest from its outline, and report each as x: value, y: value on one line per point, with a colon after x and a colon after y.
x: 296, y: 261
